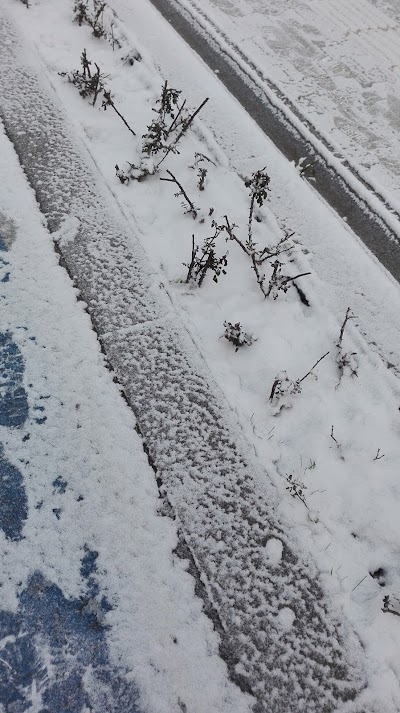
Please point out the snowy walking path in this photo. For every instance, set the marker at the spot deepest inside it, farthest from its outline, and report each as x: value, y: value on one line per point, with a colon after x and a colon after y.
x: 96, y: 612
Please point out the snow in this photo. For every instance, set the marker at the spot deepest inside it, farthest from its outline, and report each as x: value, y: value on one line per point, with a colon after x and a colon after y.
x: 83, y: 544
x: 67, y: 233
x: 273, y: 551
x: 346, y: 520
x: 286, y: 618
x: 336, y: 64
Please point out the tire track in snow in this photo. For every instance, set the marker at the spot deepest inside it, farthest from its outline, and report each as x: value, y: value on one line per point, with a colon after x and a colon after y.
x: 337, y: 180
x: 201, y: 460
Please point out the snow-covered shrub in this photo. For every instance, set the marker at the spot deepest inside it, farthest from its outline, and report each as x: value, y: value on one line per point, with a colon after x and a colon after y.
x: 259, y: 256
x: 201, y: 175
x: 278, y: 282
x: 347, y: 362
x: 88, y: 82
x: 284, y: 389
x: 104, y: 23
x: 204, y: 259
x: 165, y: 132
x: 235, y: 334
x: 296, y: 488
x: 258, y: 184
x: 92, y: 15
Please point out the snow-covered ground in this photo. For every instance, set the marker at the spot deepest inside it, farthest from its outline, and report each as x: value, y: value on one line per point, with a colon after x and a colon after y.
x: 96, y: 612
x: 337, y: 63
x: 339, y: 441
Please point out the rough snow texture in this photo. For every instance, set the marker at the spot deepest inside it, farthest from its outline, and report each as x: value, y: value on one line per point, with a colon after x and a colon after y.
x: 207, y: 479
x: 96, y: 611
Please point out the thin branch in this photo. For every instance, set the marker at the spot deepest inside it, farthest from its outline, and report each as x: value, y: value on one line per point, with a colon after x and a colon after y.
x: 334, y: 439
x: 387, y: 610
x: 97, y: 85
x: 171, y: 128
x: 290, y: 279
x: 185, y: 128
x: 200, y: 156
x: 378, y: 456
x: 109, y: 102
x: 192, y: 261
x: 250, y: 253
x: 317, y: 362
x: 268, y: 256
x: 229, y: 230
x: 348, y: 316
x: 190, y: 120
x: 360, y: 582
x: 193, y: 209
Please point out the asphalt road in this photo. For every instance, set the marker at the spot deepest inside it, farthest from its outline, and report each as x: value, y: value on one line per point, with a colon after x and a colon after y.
x: 375, y: 232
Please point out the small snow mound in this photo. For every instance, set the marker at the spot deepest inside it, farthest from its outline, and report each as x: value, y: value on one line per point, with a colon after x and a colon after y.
x: 286, y: 617
x: 273, y: 551
x: 67, y: 232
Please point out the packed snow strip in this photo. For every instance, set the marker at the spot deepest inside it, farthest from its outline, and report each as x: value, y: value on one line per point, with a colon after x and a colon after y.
x: 195, y: 445
x: 324, y: 65
x: 96, y: 611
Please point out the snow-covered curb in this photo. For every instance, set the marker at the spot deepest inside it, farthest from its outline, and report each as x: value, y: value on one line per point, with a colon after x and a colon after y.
x: 126, y: 631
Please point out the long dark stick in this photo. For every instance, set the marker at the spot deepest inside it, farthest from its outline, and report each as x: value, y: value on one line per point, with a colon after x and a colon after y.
x: 185, y: 128
x: 313, y: 367
x: 190, y: 270
x: 176, y: 118
x: 346, y: 319
x: 181, y: 188
x: 109, y: 102
x: 290, y: 279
